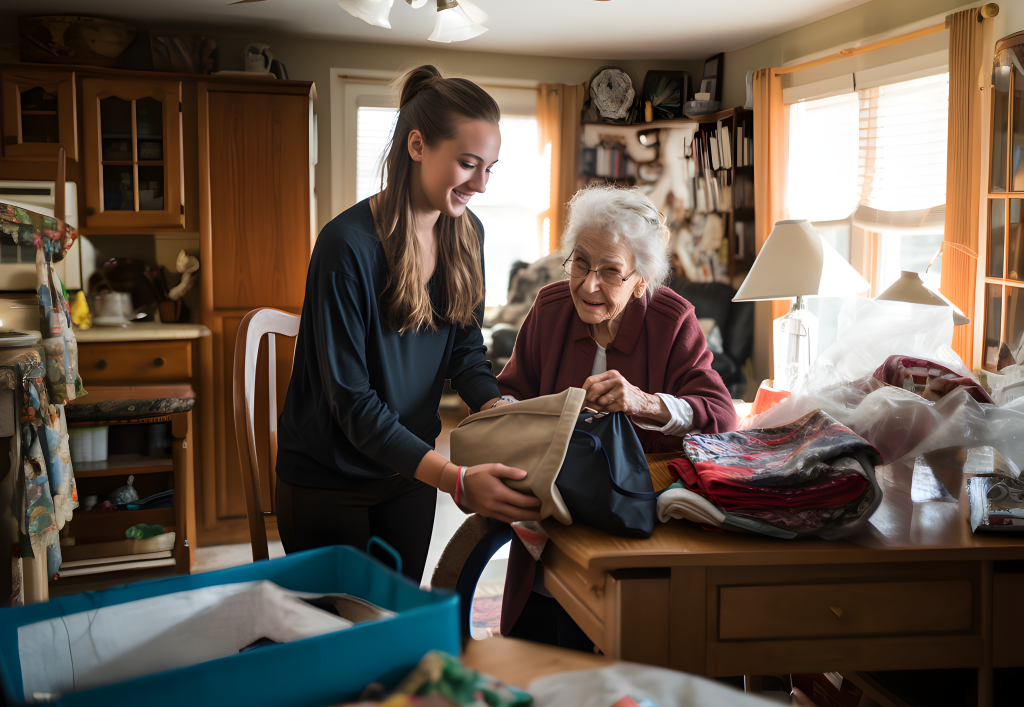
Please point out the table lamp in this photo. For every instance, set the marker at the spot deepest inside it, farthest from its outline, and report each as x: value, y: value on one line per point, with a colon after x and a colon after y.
x: 911, y: 288
x: 797, y: 262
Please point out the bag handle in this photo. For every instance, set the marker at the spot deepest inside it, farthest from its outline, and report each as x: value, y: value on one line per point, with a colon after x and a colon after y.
x: 598, y: 447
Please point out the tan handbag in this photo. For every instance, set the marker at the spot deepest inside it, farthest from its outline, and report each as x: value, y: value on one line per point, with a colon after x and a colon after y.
x: 531, y: 435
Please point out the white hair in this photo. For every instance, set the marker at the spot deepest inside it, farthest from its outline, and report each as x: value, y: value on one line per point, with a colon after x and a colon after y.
x: 622, y: 213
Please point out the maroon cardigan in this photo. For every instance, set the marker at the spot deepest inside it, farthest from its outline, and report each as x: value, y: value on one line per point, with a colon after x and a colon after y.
x: 659, y: 348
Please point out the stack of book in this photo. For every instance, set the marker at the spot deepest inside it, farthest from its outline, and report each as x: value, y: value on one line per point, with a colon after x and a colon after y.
x: 96, y: 558
x: 609, y: 160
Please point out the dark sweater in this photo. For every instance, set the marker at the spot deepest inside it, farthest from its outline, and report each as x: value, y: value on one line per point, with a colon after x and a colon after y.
x: 362, y: 400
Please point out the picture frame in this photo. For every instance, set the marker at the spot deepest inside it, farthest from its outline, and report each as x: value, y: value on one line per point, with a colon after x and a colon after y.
x: 711, y: 80
x: 667, y: 91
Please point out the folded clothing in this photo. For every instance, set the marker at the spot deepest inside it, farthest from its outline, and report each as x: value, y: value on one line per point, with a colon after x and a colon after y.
x: 930, y: 379
x: 807, y: 477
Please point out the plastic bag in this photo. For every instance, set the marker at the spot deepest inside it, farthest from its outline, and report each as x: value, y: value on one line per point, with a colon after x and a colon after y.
x: 900, y: 424
x: 871, y: 331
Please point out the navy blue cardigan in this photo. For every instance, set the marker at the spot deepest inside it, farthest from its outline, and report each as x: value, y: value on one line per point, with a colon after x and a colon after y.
x: 362, y: 400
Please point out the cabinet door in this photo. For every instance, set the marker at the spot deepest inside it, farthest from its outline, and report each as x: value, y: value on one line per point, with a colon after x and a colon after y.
x: 259, y: 198
x: 39, y: 114
x: 133, y: 160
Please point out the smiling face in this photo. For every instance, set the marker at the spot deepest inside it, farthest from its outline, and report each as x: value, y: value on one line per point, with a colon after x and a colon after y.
x: 452, y: 171
x: 595, y: 300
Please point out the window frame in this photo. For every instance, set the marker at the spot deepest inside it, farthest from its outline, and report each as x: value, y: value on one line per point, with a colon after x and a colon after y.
x: 1006, y: 283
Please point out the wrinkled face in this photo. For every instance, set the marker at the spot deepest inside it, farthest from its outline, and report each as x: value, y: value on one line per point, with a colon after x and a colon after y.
x: 452, y: 171
x: 603, y: 296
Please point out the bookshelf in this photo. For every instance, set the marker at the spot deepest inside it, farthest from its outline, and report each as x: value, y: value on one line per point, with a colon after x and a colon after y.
x: 615, y: 154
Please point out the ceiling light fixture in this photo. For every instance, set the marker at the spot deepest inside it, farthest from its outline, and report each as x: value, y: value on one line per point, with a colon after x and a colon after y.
x: 453, y: 24
x: 372, y: 12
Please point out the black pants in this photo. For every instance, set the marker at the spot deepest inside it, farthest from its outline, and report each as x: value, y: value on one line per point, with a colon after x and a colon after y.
x: 398, y: 510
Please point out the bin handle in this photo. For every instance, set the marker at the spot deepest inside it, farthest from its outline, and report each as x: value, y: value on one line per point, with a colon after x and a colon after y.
x: 386, y: 548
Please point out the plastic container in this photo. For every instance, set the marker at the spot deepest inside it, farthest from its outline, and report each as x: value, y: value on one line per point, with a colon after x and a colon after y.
x: 310, y: 672
x: 88, y: 444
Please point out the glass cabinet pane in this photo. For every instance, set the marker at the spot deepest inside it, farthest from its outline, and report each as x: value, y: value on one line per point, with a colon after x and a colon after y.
x: 39, y: 116
x: 997, y: 236
x: 1010, y: 351
x: 1000, y: 125
x: 1015, y: 236
x: 151, y: 188
x: 993, y: 320
x: 118, y: 188
x: 116, y: 129
x: 1017, y: 166
x: 149, y: 124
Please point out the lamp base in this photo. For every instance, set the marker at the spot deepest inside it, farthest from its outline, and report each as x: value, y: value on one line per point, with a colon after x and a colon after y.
x: 795, y: 346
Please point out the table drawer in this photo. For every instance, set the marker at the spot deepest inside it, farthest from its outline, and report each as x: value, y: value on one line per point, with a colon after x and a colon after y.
x: 845, y: 609
x: 135, y: 362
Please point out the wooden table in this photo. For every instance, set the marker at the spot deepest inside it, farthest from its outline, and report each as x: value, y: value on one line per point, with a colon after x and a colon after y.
x: 519, y: 663
x: 913, y: 589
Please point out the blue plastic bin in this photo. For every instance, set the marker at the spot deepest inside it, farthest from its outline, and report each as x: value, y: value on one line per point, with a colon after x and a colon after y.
x: 314, y: 671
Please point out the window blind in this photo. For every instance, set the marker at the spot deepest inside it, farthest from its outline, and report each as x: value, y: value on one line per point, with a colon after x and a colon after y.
x: 902, y: 144
x: 373, y: 130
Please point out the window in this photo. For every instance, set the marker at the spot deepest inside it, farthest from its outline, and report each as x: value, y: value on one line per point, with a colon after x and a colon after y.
x: 868, y: 169
x: 517, y: 192
x: 1004, y: 269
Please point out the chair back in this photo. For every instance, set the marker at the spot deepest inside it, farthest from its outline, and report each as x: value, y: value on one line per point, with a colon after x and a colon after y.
x: 257, y: 324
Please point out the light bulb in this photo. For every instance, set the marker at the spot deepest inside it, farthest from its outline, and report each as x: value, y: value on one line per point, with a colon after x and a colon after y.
x: 372, y: 12
x: 454, y: 25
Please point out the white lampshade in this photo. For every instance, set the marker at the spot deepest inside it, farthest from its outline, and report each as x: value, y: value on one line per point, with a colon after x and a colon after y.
x: 796, y: 261
x: 453, y: 24
x: 417, y: 4
x: 911, y: 288
x: 372, y: 12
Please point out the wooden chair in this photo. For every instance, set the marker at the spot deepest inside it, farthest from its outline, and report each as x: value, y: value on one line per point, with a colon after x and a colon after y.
x: 257, y: 324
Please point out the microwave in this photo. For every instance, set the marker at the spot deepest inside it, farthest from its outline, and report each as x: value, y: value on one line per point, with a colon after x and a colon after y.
x: 18, y: 263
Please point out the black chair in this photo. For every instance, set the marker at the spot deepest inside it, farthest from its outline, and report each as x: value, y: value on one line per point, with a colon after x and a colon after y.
x: 735, y: 320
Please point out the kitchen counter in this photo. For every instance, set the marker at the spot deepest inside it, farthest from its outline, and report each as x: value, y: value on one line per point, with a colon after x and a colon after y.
x: 141, y: 331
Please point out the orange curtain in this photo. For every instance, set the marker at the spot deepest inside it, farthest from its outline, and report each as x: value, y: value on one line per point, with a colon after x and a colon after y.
x: 558, y: 116
x: 769, y: 161
x: 963, y: 171
x: 769, y: 197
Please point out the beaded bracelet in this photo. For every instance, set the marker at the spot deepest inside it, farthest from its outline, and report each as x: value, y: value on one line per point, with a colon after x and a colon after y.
x: 458, y: 485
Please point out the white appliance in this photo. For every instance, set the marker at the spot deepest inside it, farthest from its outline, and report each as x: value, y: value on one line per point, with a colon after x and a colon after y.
x: 17, y: 263
x: 19, y: 304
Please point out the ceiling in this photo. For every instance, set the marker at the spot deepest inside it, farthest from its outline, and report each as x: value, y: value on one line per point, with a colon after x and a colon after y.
x: 617, y: 29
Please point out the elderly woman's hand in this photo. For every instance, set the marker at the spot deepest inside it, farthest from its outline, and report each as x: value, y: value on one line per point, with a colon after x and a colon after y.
x: 611, y: 392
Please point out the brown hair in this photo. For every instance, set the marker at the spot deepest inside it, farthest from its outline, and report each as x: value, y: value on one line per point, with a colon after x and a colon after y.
x: 435, y: 106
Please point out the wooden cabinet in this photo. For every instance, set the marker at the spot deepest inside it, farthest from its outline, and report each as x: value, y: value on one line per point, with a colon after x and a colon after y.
x: 133, y: 154
x: 256, y: 237
x: 40, y: 114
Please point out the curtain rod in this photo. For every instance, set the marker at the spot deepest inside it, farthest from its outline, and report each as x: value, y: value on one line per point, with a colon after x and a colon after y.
x: 984, y: 12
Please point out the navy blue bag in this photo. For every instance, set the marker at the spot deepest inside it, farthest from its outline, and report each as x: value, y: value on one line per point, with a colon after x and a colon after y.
x: 604, y: 480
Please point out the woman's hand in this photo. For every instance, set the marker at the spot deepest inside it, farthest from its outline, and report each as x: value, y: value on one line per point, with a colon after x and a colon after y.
x: 486, y: 493
x: 611, y: 392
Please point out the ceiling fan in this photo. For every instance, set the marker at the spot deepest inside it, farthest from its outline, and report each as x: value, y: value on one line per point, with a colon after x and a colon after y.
x: 452, y: 24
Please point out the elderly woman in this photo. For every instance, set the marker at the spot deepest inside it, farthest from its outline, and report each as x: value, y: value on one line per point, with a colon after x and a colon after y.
x: 634, y: 346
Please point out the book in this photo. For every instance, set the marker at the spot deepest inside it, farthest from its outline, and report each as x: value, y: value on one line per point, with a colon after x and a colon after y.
x: 726, y: 147
x: 715, y: 155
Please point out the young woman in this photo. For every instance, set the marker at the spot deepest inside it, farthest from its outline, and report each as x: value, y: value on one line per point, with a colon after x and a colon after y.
x: 394, y: 299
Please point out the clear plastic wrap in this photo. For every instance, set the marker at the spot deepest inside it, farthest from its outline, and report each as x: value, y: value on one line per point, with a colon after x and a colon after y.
x: 900, y: 424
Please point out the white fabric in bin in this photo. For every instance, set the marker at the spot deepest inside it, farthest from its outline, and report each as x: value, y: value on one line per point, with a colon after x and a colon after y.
x: 665, y: 688
x: 117, y: 643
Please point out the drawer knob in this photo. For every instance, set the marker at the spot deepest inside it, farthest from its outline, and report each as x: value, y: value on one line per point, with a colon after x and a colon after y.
x: 837, y: 611
x: 101, y: 364
x: 158, y: 362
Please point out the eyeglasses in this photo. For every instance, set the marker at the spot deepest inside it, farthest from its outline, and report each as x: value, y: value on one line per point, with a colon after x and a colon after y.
x: 578, y: 268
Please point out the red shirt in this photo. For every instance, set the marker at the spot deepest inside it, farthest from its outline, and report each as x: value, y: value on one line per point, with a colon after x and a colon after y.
x: 659, y: 348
